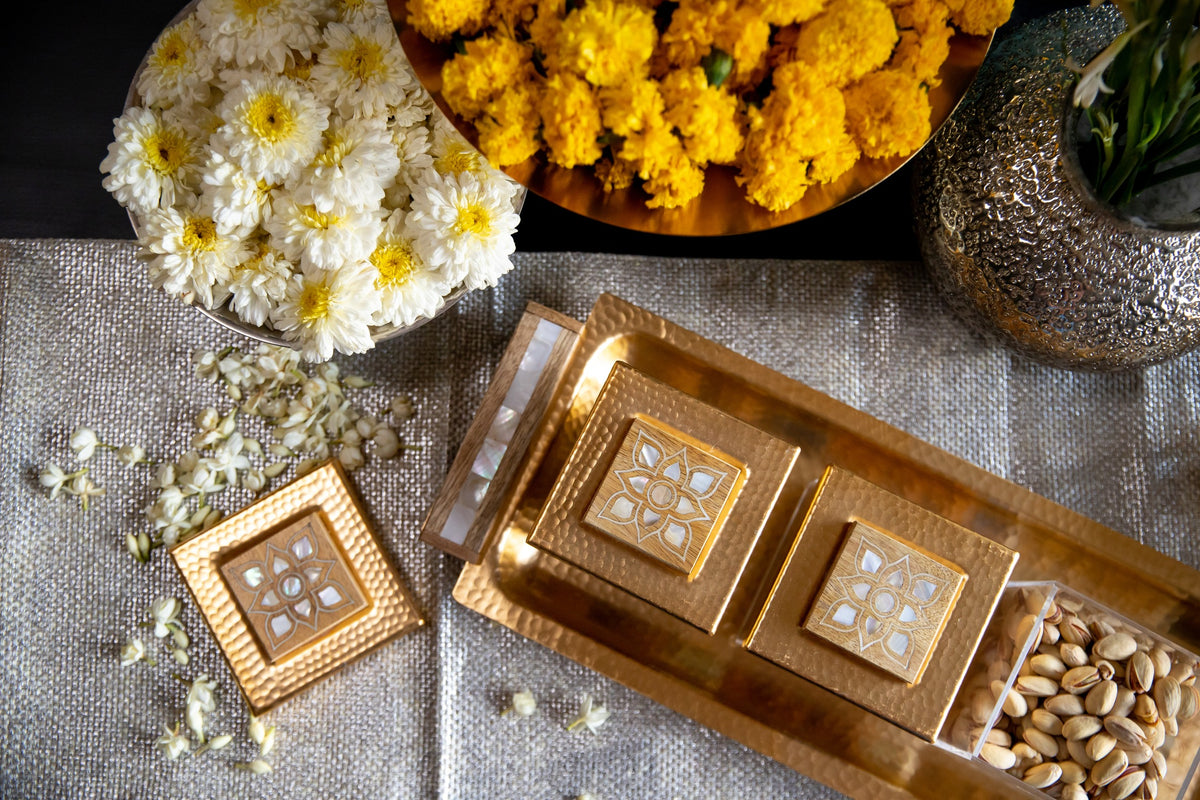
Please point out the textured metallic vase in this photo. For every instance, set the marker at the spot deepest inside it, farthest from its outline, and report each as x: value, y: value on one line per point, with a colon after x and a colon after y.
x: 1013, y: 236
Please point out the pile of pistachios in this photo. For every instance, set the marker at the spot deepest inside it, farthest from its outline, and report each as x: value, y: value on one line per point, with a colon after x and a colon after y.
x: 1095, y: 708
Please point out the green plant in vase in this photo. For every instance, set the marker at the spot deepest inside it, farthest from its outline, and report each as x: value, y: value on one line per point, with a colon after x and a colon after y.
x: 1139, y: 100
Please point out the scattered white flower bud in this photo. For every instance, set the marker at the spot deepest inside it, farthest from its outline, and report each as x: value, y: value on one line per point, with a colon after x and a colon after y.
x: 130, y: 455
x: 220, y: 742
x: 133, y: 652
x: 208, y: 419
x: 276, y: 469
x: 163, y: 612
x: 257, y: 766
x: 181, y: 657
x: 257, y: 730
x: 253, y: 446
x: 351, y: 458
x: 590, y: 716
x: 357, y: 382
x: 402, y: 407
x: 180, y: 637
x: 84, y: 442
x: 307, y: 465
x: 173, y: 743
x: 268, y: 742
x: 523, y: 704
x: 164, y: 476
x: 254, y: 480
x: 54, y: 479
x: 83, y: 488
x: 387, y: 443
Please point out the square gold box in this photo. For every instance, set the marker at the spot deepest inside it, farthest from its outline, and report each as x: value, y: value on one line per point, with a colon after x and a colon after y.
x: 811, y: 576
x: 295, y: 586
x: 696, y: 586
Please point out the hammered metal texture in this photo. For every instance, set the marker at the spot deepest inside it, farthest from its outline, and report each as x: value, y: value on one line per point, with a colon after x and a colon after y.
x: 1020, y: 250
x: 843, y: 498
x: 389, y: 611
x: 420, y: 717
x: 700, y: 599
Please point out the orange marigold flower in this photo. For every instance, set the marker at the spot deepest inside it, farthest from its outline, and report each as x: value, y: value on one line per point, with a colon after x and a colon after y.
x: 512, y: 14
x: 836, y: 161
x: 979, y: 17
x: 607, y: 41
x: 706, y: 117
x: 848, y: 40
x: 509, y: 125
x: 627, y: 109
x: 924, y: 39
x: 652, y: 150
x: 675, y: 184
x: 689, y: 37
x: 776, y: 185
x: 788, y: 12
x: 615, y: 174
x: 543, y: 31
x: 745, y: 36
x: 887, y: 113
x: 440, y: 19
x: 571, y: 120
x: 470, y: 80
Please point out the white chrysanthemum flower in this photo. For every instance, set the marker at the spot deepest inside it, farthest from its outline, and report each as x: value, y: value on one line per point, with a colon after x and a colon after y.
x: 325, y: 240
x: 178, y: 69
x: 326, y: 310
x: 362, y: 70
x: 356, y: 165
x: 413, y: 148
x: 451, y: 153
x: 408, y: 288
x: 189, y: 257
x: 273, y: 127
x: 198, y: 121
x: 239, y: 202
x: 150, y: 164
x: 259, y: 282
x: 259, y: 31
x: 464, y: 226
x: 360, y: 12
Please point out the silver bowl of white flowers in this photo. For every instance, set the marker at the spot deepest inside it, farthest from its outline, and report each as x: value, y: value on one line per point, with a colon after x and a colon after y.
x: 287, y: 174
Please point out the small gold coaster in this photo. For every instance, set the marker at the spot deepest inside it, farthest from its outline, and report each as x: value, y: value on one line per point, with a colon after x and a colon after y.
x: 665, y: 495
x: 841, y: 566
x: 886, y: 601
x: 295, y: 586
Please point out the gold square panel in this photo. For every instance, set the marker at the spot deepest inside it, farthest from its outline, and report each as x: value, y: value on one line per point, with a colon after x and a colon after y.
x: 295, y: 586
x: 738, y: 470
x: 665, y: 495
x: 886, y: 601
x: 846, y: 512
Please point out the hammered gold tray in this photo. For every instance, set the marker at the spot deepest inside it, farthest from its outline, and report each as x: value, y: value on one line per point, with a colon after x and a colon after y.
x: 722, y: 208
x: 712, y: 678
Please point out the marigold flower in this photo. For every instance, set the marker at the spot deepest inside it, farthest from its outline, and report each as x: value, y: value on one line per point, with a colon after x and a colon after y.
x: 979, y: 17
x: 788, y: 12
x: 607, y: 41
x: 571, y: 117
x: 628, y: 108
x: 887, y: 113
x: 924, y: 39
x: 706, y: 117
x: 745, y: 35
x: 472, y: 79
x: 440, y: 19
x: 848, y: 40
x: 509, y: 125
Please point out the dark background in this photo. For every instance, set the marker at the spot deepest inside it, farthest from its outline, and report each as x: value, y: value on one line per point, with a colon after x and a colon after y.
x: 67, y: 68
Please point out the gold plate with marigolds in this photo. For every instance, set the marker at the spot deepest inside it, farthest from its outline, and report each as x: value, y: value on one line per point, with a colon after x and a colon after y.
x: 859, y: 127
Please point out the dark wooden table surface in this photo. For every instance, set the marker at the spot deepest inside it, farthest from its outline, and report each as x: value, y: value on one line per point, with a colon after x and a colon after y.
x: 67, y: 67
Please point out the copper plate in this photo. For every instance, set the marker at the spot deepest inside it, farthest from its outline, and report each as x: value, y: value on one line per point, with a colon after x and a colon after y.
x: 368, y: 604
x: 712, y: 678
x: 722, y: 208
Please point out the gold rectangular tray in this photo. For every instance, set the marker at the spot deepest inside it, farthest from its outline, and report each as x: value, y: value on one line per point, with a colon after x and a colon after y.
x: 712, y: 678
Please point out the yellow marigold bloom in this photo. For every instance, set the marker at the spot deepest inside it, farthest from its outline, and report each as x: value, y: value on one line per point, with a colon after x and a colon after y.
x: 776, y: 185
x: 745, y: 36
x: 924, y: 39
x: 512, y: 14
x: 571, y: 120
x: 788, y: 12
x: 543, y: 31
x: 675, y: 184
x: 470, y: 80
x: 509, y: 125
x: 979, y: 17
x: 440, y: 19
x: 689, y: 37
x: 851, y: 38
x: 615, y: 173
x: 706, y: 117
x: 627, y: 109
x: 834, y: 162
x: 607, y: 41
x: 887, y: 113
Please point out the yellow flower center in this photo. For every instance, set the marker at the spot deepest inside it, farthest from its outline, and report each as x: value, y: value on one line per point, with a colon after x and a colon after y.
x: 474, y: 219
x: 172, y: 51
x: 166, y: 151
x: 270, y: 118
x: 200, y: 234
x: 248, y: 9
x: 318, y: 220
x: 456, y: 161
x: 300, y: 68
x: 335, y: 150
x: 363, y: 60
x: 395, y: 263
x: 314, y: 302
